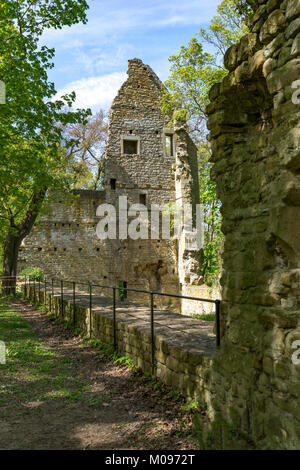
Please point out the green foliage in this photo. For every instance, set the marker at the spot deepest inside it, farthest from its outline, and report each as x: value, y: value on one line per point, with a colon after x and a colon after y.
x: 33, y: 274
x: 85, y: 150
x: 211, y: 259
x: 47, y: 376
x: 126, y: 361
x: 228, y: 26
x: 194, y: 406
x: 193, y: 72
x: 206, y: 317
x: 122, y: 292
x: 31, y: 158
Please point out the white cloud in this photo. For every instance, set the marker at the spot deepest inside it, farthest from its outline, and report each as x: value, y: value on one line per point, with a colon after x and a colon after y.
x: 94, y: 92
x: 117, y: 31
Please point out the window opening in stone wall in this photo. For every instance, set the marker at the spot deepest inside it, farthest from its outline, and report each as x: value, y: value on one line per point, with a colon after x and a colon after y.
x: 113, y: 183
x: 169, y: 145
x: 143, y: 199
x: 130, y: 147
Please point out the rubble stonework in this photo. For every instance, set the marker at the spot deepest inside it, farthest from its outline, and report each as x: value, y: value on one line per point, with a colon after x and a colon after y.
x: 251, y: 387
x: 65, y: 243
x: 255, y: 137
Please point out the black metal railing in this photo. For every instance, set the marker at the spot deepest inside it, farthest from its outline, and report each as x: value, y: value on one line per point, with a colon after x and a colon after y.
x: 61, y: 283
x: 9, y: 281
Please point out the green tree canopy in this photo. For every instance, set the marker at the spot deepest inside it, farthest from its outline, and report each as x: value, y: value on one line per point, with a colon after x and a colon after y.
x: 194, y: 70
x: 31, y: 157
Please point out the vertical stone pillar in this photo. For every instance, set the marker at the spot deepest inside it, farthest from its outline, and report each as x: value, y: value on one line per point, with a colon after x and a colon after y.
x: 254, y: 122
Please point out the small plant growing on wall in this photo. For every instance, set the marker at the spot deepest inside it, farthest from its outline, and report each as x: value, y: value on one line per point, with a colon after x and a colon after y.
x: 33, y: 274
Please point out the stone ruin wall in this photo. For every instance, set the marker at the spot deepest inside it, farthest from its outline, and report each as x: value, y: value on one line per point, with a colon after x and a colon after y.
x: 135, y: 114
x: 64, y: 243
x: 255, y: 137
x: 252, y: 388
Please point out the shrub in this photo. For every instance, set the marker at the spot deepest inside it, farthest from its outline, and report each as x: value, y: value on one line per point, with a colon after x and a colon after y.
x: 33, y: 274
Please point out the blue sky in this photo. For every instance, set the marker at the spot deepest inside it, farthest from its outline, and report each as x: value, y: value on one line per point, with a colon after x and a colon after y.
x: 92, y: 59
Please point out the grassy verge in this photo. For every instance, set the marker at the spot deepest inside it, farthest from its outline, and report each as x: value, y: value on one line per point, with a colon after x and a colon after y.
x: 34, y: 373
x: 27, y: 356
x: 52, y: 382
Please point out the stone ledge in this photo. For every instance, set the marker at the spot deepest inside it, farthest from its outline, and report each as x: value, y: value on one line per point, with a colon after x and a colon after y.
x: 182, y: 360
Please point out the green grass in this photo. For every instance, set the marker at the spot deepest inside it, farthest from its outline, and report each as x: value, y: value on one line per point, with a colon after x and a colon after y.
x: 35, y: 373
x: 207, y: 317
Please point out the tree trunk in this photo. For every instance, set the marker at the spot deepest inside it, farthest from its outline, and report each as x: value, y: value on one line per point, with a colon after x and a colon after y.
x: 14, y: 238
x: 11, y: 252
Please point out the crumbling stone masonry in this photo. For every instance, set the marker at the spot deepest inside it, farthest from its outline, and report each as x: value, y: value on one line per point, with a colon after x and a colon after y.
x: 180, y: 364
x: 255, y: 137
x: 146, y: 161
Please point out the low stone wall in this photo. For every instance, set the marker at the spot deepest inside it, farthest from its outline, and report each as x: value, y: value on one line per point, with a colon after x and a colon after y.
x: 254, y: 128
x: 192, y: 307
x: 179, y: 368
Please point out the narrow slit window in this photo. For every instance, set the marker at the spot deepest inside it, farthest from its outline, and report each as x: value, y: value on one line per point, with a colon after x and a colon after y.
x: 130, y: 147
x: 169, y: 145
x: 113, y: 183
x: 143, y: 199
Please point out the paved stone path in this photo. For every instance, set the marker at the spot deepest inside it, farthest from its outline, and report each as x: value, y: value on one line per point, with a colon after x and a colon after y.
x: 178, y: 330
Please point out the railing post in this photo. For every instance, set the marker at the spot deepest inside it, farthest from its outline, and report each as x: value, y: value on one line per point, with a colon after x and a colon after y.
x: 39, y: 291
x: 218, y: 302
x: 152, y: 333
x: 74, y: 300
x: 91, y: 306
x: 34, y: 290
x: 51, y: 296
x: 25, y: 291
x: 114, y: 318
x: 62, y: 297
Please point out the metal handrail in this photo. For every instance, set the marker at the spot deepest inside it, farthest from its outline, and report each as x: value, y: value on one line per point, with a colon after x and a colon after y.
x: 90, y: 286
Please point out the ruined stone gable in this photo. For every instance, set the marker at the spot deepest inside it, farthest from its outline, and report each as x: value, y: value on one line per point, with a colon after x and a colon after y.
x: 135, y: 116
x: 149, y: 163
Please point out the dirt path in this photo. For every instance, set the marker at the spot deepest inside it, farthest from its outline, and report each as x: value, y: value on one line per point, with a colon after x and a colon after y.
x: 65, y: 395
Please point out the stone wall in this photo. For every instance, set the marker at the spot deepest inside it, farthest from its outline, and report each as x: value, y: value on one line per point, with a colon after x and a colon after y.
x: 180, y: 367
x: 252, y: 390
x: 64, y: 243
x: 135, y: 115
x: 64, y: 239
x: 255, y: 137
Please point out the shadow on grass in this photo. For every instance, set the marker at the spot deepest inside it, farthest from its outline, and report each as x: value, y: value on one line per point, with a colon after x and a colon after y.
x: 55, y: 399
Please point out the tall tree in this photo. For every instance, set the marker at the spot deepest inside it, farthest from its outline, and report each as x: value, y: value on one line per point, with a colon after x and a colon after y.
x: 84, y: 144
x: 31, y: 159
x: 193, y: 72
